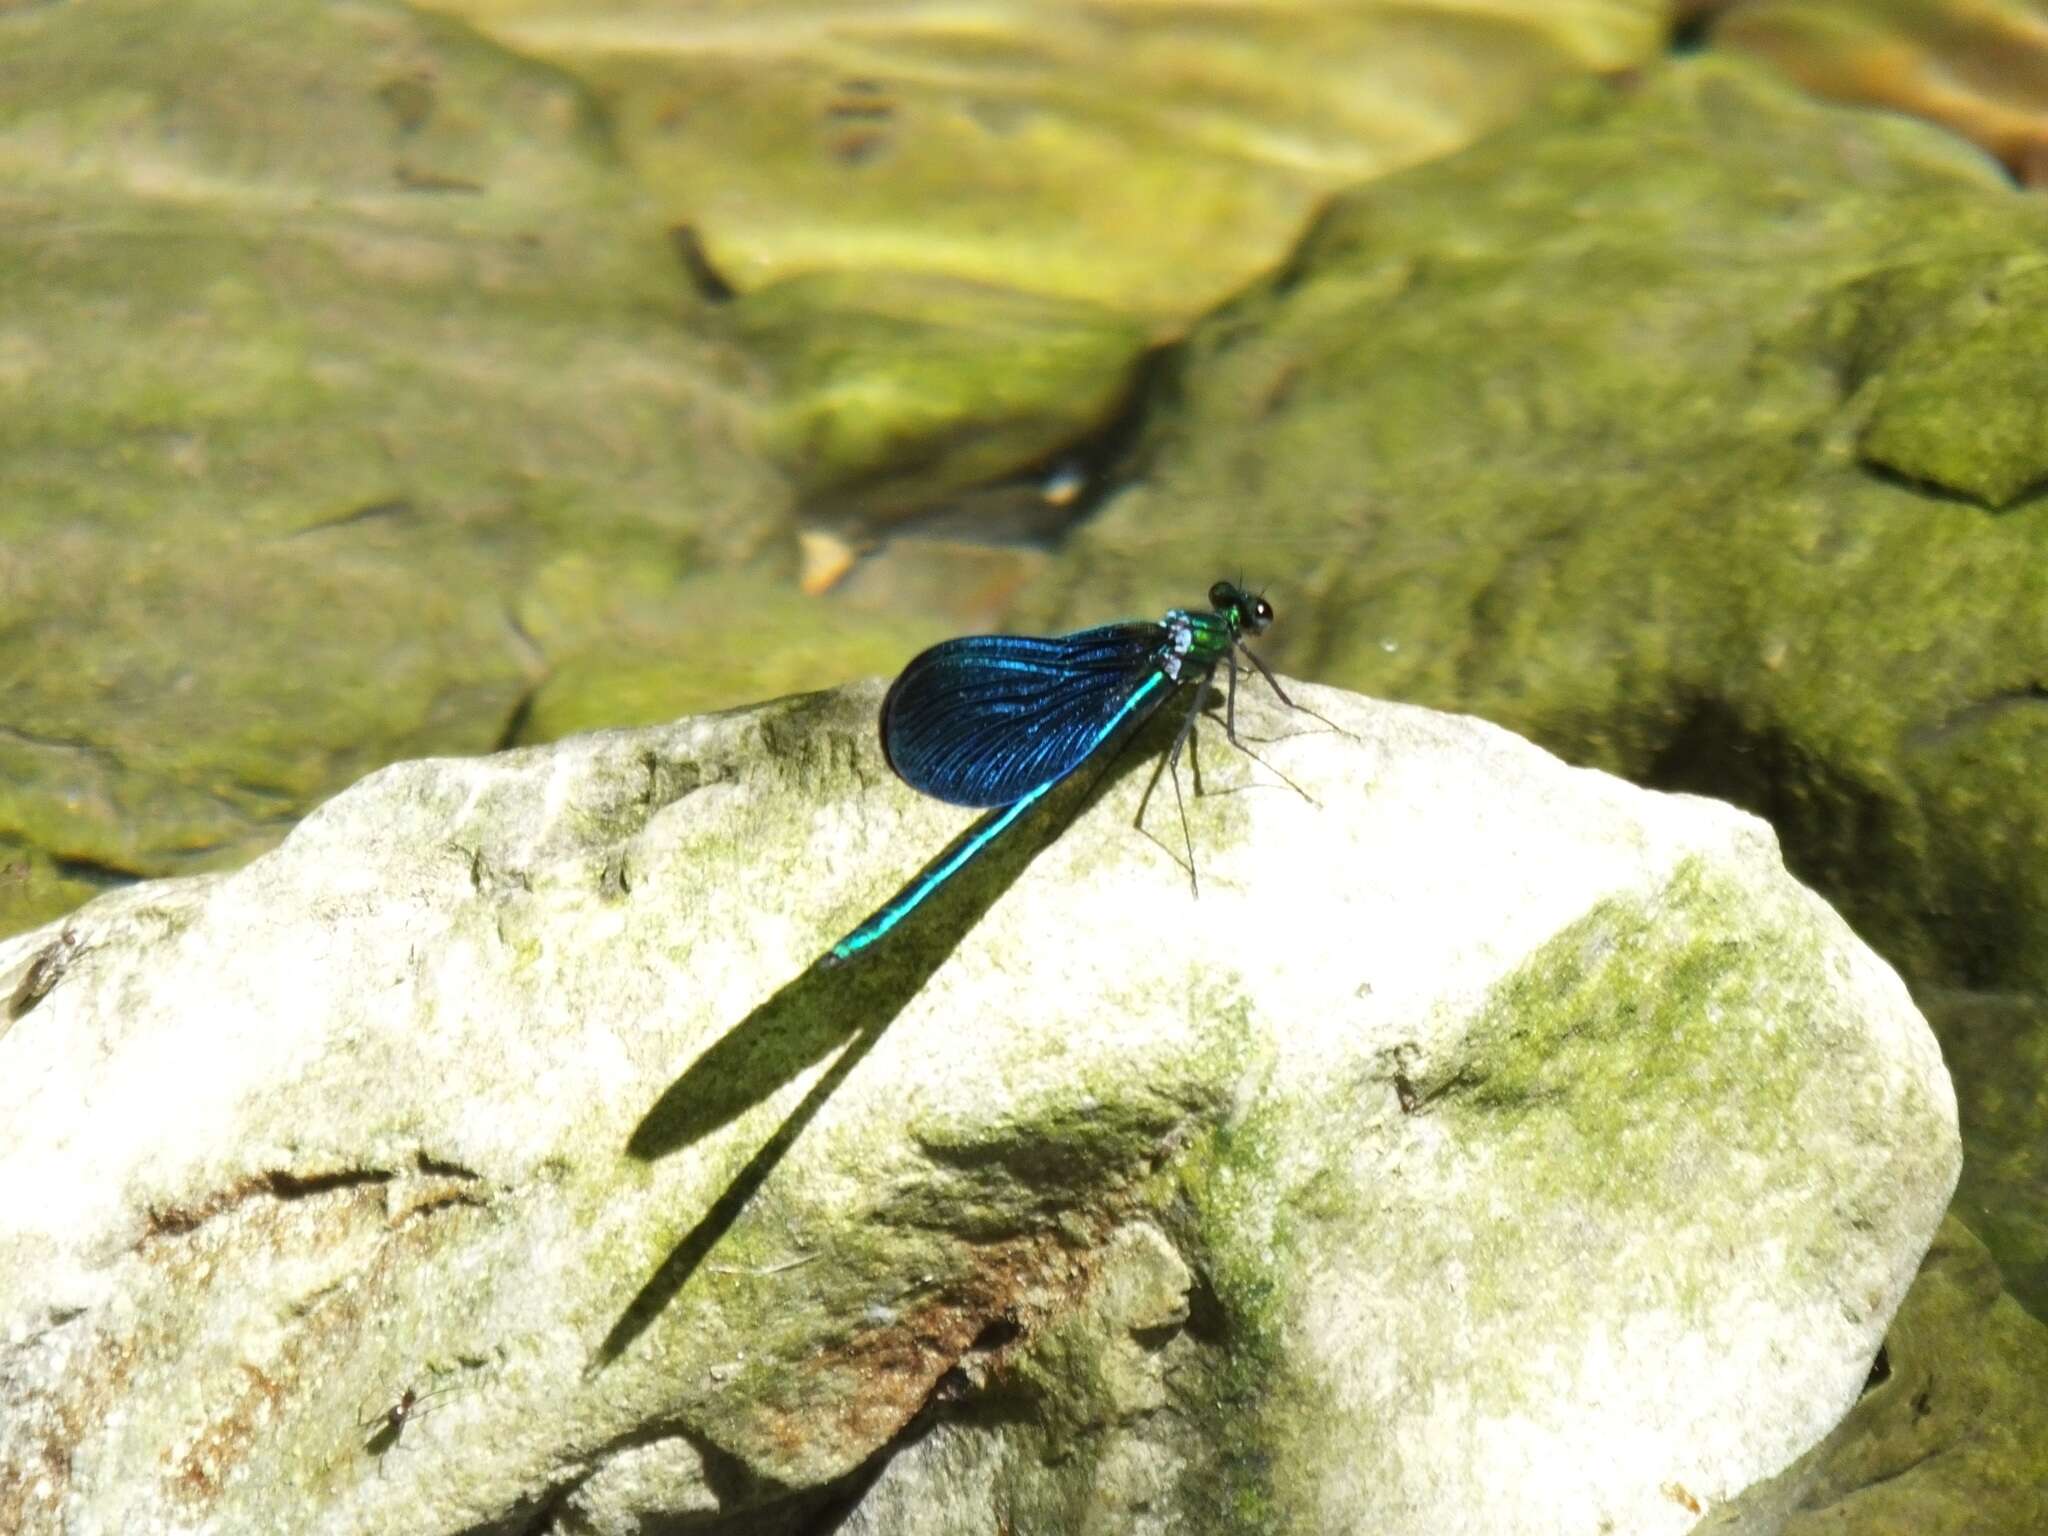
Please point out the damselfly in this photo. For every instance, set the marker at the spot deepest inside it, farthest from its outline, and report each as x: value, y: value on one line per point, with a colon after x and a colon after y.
x: 998, y: 720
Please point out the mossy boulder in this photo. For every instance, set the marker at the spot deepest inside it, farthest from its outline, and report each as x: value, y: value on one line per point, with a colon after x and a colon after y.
x: 369, y: 387
x: 1997, y: 1048
x: 327, y: 333
x: 893, y: 391
x: 1686, y: 427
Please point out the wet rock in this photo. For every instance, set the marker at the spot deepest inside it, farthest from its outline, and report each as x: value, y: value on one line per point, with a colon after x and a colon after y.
x: 1973, y: 66
x: 347, y: 331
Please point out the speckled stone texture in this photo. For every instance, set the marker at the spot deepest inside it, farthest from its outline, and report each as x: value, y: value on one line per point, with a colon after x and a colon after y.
x: 1493, y: 1147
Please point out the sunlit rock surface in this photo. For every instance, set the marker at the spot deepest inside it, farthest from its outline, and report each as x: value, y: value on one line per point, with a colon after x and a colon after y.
x: 1979, y: 67
x: 1148, y: 156
x: 1493, y: 1147
x: 955, y: 232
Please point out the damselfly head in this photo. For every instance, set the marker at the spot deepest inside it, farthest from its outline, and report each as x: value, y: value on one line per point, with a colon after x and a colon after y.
x: 1251, y: 611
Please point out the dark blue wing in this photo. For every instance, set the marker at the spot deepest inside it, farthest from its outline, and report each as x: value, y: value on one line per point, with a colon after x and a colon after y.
x: 986, y: 719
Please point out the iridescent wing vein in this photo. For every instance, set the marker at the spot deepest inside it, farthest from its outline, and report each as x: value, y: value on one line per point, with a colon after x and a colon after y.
x: 986, y: 719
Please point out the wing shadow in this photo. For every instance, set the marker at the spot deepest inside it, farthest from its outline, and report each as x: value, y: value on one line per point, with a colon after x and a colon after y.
x: 822, y: 1008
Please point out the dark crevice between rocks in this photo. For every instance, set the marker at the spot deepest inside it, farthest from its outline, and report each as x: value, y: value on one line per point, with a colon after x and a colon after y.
x: 706, y: 280
x: 1037, y: 503
x: 94, y: 872
x: 1110, y: 458
x: 1880, y: 1370
x: 1833, y: 829
x: 1854, y: 842
x: 180, y: 1221
x: 956, y: 1386
x: 1976, y: 713
x: 389, y: 509
x: 1934, y: 490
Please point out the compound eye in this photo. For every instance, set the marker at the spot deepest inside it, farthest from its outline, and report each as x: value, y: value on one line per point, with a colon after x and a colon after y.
x: 1262, y: 612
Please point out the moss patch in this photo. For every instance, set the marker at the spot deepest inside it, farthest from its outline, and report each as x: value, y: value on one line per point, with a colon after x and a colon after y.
x: 1574, y: 431
x: 1952, y: 1437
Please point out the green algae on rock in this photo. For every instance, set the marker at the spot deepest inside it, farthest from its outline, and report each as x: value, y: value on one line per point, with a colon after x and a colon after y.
x: 1957, y: 405
x: 1571, y: 430
x: 1997, y: 1050
x: 1146, y: 157
x: 954, y: 238
x: 892, y: 390
x: 1952, y: 1436
x: 327, y: 329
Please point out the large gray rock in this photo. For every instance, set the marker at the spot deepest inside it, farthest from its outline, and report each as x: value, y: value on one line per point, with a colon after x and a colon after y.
x: 1491, y: 1147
